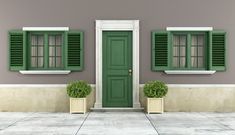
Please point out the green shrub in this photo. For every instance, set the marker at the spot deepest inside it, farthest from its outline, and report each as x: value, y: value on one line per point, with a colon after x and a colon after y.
x: 78, y: 89
x: 155, y: 89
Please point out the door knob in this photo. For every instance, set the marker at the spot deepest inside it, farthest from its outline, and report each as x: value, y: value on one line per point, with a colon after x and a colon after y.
x: 130, y: 72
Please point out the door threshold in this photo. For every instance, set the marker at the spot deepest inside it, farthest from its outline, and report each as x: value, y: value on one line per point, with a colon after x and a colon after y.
x: 118, y: 109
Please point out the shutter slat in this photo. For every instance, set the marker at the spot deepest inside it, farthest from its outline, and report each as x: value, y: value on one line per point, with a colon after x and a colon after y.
x: 73, y: 45
x: 162, y: 46
x: 218, y: 50
x: 159, y: 50
x: 16, y: 50
x: 74, y: 50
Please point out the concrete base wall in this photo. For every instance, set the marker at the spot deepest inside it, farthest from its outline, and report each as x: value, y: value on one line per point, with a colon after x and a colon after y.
x: 197, y: 98
x: 37, y: 98
x: 180, y: 97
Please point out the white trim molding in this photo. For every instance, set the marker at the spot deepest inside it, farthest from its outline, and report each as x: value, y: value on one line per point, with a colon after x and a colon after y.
x: 93, y: 85
x: 45, y: 28
x: 189, y: 28
x: 35, y: 85
x: 190, y: 72
x: 200, y: 85
x: 31, y: 85
x: 45, y: 72
x: 117, y: 25
x: 197, y: 85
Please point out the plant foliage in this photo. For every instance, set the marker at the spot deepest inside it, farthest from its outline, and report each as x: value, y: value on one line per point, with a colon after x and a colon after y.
x: 155, y: 89
x: 78, y: 89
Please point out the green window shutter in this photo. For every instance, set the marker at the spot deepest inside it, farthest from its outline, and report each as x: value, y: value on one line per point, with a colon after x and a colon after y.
x: 17, y: 50
x: 217, y: 51
x: 74, y: 50
x: 160, y: 45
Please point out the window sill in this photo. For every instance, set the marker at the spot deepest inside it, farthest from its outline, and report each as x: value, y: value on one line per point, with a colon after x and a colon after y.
x: 190, y: 72
x: 45, y: 72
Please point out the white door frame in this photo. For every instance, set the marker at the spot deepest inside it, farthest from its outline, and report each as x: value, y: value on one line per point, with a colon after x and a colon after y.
x: 117, y: 25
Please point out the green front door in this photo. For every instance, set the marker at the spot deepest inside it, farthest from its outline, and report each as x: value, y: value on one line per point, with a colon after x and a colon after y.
x: 117, y: 69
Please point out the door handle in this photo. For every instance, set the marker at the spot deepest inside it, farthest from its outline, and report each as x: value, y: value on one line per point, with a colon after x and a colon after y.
x: 130, y: 72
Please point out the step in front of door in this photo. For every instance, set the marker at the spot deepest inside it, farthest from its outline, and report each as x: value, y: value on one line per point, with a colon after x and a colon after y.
x: 117, y: 109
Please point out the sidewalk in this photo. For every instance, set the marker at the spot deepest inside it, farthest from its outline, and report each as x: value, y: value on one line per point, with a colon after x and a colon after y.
x: 117, y: 123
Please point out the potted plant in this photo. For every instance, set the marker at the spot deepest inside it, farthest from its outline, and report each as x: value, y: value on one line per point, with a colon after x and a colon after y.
x: 77, y: 91
x: 155, y: 91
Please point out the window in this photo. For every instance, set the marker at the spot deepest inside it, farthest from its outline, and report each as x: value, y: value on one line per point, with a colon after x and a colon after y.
x: 45, y: 50
x: 188, y: 50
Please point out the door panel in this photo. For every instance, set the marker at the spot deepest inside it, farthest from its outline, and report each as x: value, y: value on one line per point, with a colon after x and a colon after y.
x: 117, y: 61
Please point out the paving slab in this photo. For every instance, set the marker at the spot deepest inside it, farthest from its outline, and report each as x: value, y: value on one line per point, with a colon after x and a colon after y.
x: 117, y: 123
x: 225, y: 119
x: 181, y: 123
x: 46, y: 124
x: 7, y: 119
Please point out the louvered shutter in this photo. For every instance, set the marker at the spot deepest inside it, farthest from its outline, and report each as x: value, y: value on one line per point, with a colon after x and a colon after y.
x: 160, y: 40
x: 218, y: 50
x: 74, y: 50
x: 17, y: 49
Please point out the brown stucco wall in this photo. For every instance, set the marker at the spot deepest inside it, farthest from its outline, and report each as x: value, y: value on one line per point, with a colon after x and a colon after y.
x: 81, y: 14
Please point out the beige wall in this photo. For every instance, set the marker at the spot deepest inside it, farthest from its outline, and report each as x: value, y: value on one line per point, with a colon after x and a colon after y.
x: 36, y: 98
x: 198, y: 98
x: 53, y: 98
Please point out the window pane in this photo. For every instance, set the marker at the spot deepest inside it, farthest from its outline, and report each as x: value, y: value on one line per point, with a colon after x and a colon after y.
x: 182, y: 40
x: 58, y: 62
x: 51, y: 40
x: 37, y: 43
x: 194, y: 40
x: 175, y: 61
x: 40, y: 61
x: 193, y: 51
x: 51, y: 61
x: 176, y: 51
x: 58, y: 51
x: 182, y: 62
x: 182, y: 51
x: 40, y: 40
x: 200, y: 40
x: 40, y: 51
x: 200, y: 62
x: 33, y: 51
x: 33, y: 62
x: 179, y: 50
x: 194, y: 62
x: 33, y: 40
x: 55, y: 42
x: 52, y: 51
x: 200, y: 51
x: 58, y: 40
x: 197, y: 51
x: 176, y: 40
